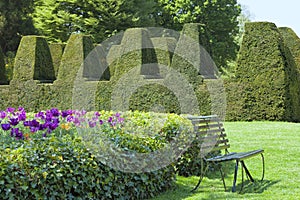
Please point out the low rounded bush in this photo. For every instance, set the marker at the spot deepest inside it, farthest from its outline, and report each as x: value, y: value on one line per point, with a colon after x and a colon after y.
x: 47, y: 156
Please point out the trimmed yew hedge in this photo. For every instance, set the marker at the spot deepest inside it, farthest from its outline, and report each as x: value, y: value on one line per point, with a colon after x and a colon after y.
x: 264, y: 88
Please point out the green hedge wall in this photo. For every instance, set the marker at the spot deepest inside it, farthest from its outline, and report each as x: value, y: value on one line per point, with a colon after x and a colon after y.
x: 143, y: 71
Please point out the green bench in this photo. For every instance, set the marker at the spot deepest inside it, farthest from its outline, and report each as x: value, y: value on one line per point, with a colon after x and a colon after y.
x: 210, y: 130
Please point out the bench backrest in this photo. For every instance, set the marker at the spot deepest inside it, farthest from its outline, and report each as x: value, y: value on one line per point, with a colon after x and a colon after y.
x: 210, y: 131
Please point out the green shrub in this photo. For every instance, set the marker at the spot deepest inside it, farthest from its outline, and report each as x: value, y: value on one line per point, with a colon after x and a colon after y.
x: 60, y: 166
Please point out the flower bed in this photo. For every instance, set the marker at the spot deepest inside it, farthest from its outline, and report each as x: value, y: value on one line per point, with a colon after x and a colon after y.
x: 47, y: 155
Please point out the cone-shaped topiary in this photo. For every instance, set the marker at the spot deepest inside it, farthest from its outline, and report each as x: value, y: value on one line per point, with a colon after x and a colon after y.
x: 33, y: 60
x: 263, y: 72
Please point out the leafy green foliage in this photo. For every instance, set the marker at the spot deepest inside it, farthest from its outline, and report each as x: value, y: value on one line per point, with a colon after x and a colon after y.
x: 99, y: 18
x: 61, y: 166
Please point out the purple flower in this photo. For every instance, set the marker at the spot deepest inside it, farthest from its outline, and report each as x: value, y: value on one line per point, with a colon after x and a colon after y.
x: 113, y: 123
x: 54, y: 112
x: 66, y: 113
x: 34, y: 129
x: 70, y: 118
x: 14, y: 121
x: 2, y: 114
x: 120, y: 120
x: 92, y: 124
x: 22, y: 116
x: 21, y: 109
x: 110, y: 119
x: 53, y: 126
x: 48, y: 115
x: 40, y: 115
x: 5, y: 127
x: 55, y: 120
x: 97, y: 114
x: 10, y: 110
x: 101, y: 121
x: 15, y: 132
x: 117, y: 114
x: 32, y: 123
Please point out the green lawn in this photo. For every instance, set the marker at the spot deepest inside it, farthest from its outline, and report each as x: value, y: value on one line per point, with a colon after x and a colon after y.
x: 281, y: 142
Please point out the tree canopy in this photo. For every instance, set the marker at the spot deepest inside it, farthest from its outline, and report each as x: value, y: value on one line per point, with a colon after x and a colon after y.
x: 99, y: 18
x: 14, y: 22
x: 58, y: 19
x: 217, y: 17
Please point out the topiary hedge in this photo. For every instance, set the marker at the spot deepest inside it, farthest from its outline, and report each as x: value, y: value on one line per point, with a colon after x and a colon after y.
x: 292, y: 56
x: 263, y: 73
x: 56, y: 50
x: 60, y: 164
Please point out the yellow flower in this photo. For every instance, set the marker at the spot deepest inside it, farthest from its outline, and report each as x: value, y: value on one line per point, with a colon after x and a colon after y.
x: 45, y: 175
x: 65, y: 126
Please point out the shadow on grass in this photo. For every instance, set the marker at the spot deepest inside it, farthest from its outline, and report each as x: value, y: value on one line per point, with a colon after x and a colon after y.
x: 256, y: 187
x: 210, y: 190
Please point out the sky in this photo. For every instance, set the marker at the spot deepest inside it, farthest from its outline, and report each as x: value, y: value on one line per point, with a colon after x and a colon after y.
x: 284, y: 13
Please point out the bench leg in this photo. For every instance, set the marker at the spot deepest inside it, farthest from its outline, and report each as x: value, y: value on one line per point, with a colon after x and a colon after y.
x: 201, y: 176
x: 223, y: 177
x: 235, y: 176
x: 263, y: 170
x: 247, y: 171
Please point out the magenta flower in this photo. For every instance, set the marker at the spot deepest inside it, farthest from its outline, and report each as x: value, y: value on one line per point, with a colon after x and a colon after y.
x: 97, y: 114
x: 10, y: 110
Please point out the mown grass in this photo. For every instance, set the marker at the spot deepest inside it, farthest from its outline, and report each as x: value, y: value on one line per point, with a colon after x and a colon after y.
x: 281, y: 142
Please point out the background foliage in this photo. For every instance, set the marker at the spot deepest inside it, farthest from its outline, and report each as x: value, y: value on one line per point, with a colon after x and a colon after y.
x: 15, y: 21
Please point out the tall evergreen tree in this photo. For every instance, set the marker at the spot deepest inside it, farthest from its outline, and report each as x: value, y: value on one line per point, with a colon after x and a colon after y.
x: 58, y: 19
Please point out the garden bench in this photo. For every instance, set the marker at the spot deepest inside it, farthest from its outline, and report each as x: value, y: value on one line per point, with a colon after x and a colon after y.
x: 213, y: 139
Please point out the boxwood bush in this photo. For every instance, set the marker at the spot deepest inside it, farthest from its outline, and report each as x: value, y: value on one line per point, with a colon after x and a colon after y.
x: 48, y: 158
